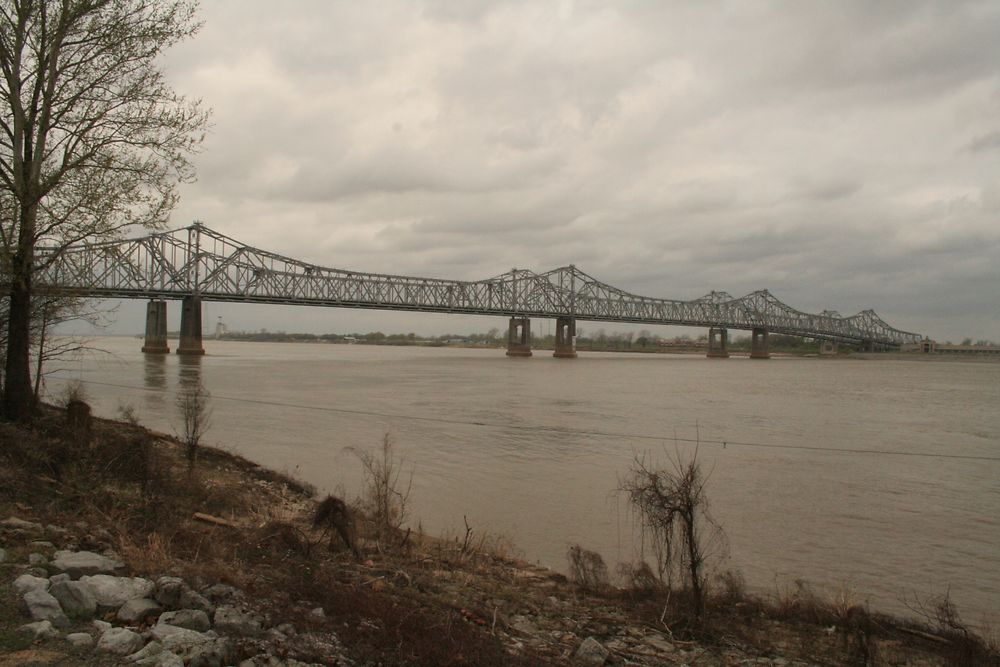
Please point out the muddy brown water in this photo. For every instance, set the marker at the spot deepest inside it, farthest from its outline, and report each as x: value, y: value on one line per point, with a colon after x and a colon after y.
x: 867, y: 477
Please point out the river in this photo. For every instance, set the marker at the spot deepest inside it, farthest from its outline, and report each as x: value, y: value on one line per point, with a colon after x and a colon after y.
x: 876, y: 477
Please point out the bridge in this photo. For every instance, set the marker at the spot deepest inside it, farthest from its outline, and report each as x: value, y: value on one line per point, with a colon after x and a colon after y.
x: 195, y: 263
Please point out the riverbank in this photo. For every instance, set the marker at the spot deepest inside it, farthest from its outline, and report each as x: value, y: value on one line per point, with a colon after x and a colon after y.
x: 125, y: 493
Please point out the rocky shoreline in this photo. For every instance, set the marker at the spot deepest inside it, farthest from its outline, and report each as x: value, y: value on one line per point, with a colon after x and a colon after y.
x: 83, y: 598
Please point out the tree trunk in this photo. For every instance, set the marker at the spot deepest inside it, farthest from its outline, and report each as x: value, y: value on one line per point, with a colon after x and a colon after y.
x: 694, y: 563
x: 40, y: 358
x: 18, y: 399
x: 18, y: 402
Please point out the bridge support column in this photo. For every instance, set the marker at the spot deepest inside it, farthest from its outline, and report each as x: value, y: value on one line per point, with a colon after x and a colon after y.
x: 868, y: 346
x: 565, y: 344
x: 758, y: 344
x: 156, y: 328
x: 519, y: 337
x: 828, y: 347
x: 717, y: 339
x: 190, y: 342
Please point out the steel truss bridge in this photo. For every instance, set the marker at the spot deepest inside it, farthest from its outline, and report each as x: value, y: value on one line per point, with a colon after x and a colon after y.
x: 196, y: 261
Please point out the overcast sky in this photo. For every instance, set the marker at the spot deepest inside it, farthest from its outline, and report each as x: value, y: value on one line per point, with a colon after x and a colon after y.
x: 843, y: 155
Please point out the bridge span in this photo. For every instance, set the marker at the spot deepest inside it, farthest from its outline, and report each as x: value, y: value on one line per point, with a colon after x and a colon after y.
x: 196, y: 263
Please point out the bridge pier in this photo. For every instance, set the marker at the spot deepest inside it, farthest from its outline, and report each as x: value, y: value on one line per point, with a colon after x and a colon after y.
x: 156, y: 328
x: 717, y: 339
x: 828, y: 347
x: 758, y: 344
x: 519, y: 337
x: 190, y: 342
x: 565, y: 344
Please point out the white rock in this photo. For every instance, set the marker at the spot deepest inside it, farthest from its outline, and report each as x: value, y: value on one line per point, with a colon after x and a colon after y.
x: 39, y: 630
x: 154, y: 655
x: 146, y: 654
x: 134, y: 611
x: 590, y: 652
x: 173, y: 637
x: 216, y: 651
x: 80, y: 639
x: 168, y: 591
x: 100, y: 626
x: 43, y: 607
x: 112, y: 592
x: 13, y: 523
x: 192, y: 619
x: 659, y: 643
x: 56, y: 578
x: 120, y: 641
x: 231, y: 621
x: 83, y: 563
x: 76, y: 598
x: 26, y: 583
x: 37, y: 559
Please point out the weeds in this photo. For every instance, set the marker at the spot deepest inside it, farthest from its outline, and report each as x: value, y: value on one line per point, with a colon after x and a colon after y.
x: 965, y: 646
x: 385, y: 498
x: 587, y: 569
x: 195, y: 412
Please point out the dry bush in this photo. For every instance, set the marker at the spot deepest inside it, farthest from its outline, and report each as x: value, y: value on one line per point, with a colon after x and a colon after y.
x: 476, y: 547
x: 152, y: 555
x: 966, y: 647
x: 639, y: 578
x: 587, y: 569
x: 284, y: 538
x: 72, y: 391
x: 672, y: 511
x: 195, y: 412
x: 384, y: 499
x: 730, y: 588
x: 802, y: 603
x: 334, y: 517
x: 857, y: 629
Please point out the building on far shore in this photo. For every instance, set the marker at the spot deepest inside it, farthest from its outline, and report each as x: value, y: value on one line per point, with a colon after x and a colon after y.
x: 928, y: 346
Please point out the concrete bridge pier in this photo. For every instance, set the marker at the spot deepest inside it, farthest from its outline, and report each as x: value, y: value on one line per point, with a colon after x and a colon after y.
x: 156, y: 328
x: 758, y: 344
x: 828, y: 347
x: 519, y: 337
x: 717, y: 339
x: 565, y: 344
x: 191, y: 326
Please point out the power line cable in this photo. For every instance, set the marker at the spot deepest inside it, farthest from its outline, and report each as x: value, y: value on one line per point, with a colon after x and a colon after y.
x: 572, y: 431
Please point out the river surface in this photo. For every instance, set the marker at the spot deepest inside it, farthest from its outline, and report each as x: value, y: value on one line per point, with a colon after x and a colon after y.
x: 870, y: 476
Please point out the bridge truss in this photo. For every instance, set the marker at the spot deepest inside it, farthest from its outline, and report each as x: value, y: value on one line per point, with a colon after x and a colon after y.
x: 198, y: 261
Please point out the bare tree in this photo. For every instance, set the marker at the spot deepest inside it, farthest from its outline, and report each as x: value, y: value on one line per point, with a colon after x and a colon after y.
x: 672, y: 509
x: 195, y: 412
x: 92, y: 139
x: 385, y: 499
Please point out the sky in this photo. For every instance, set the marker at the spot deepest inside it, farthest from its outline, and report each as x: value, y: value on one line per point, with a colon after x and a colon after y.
x: 844, y: 155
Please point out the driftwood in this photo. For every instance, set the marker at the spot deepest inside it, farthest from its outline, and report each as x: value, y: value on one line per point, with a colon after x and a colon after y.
x: 926, y: 635
x: 208, y: 518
